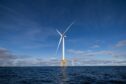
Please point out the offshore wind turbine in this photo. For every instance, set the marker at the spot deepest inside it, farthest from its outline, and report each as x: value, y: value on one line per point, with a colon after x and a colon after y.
x: 62, y: 40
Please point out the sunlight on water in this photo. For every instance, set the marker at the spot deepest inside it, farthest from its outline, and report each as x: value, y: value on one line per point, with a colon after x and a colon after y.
x: 64, y: 75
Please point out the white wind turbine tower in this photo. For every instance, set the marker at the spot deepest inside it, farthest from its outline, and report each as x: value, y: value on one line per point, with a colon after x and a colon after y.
x: 62, y: 40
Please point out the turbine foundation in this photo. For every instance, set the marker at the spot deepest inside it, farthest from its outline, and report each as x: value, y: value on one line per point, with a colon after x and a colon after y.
x: 63, y: 63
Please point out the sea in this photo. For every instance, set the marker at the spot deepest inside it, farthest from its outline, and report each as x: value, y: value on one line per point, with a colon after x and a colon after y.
x: 63, y: 75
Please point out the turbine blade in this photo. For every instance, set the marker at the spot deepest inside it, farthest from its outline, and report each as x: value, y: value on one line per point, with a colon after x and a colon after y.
x: 58, y: 32
x: 69, y: 27
x: 58, y: 44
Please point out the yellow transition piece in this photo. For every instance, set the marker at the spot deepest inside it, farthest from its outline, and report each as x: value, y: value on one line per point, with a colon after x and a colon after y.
x: 63, y: 62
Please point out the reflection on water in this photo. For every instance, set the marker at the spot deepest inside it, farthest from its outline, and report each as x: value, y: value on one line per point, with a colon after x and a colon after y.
x: 63, y: 75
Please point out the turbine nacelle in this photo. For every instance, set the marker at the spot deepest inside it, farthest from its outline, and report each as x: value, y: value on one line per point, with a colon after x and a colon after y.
x: 61, y: 34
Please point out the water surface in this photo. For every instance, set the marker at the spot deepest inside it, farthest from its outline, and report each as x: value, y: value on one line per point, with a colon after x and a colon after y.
x: 58, y: 75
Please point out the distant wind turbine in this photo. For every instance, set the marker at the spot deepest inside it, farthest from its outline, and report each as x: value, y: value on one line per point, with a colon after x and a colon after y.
x: 62, y: 40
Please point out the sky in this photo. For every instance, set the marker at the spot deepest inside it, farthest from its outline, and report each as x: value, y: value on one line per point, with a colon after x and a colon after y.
x: 28, y: 34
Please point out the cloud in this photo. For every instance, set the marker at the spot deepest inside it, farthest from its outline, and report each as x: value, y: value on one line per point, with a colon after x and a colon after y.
x: 97, y: 62
x: 6, y: 58
x: 36, y: 62
x: 97, y: 43
x: 9, y: 59
x: 95, y: 46
x: 87, y: 58
x: 121, y: 43
x: 5, y: 54
x: 90, y: 53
